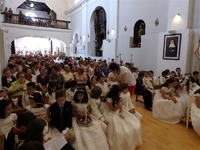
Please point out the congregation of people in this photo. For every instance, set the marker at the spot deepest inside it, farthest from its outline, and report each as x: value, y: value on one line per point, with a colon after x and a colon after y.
x: 88, y: 102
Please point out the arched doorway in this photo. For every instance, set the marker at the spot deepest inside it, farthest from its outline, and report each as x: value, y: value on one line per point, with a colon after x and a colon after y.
x: 25, y: 45
x: 99, y: 16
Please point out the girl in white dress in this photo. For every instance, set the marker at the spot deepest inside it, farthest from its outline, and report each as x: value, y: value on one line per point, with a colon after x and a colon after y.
x: 89, y: 134
x: 184, y: 89
x: 195, y: 112
x: 50, y: 95
x: 103, y: 85
x: 96, y: 103
x: 166, y: 107
x: 126, y: 101
x: 7, y: 118
x: 124, y: 129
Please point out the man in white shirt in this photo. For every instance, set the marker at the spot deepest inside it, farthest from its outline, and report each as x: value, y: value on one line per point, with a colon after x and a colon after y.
x: 153, y: 79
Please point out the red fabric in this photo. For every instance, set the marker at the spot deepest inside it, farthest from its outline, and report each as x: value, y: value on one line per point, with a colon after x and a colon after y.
x: 16, y: 131
x: 29, y: 77
x: 131, y: 89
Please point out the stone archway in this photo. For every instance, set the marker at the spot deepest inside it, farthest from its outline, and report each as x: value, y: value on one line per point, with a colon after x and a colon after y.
x: 24, y: 45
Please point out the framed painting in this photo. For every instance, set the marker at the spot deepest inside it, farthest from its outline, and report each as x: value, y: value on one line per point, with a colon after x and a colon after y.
x: 171, y: 48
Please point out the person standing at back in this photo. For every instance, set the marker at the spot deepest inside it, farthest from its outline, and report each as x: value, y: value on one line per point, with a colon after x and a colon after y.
x: 124, y: 75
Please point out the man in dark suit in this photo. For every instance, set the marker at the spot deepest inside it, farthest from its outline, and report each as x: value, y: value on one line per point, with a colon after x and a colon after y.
x: 178, y: 73
x: 61, y: 116
x: 141, y: 90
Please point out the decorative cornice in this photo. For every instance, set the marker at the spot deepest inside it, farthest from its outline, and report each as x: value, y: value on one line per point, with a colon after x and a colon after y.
x: 78, y: 6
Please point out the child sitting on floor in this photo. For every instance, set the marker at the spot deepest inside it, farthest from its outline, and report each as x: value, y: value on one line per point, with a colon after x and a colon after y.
x: 71, y: 91
x: 31, y: 88
x: 126, y: 101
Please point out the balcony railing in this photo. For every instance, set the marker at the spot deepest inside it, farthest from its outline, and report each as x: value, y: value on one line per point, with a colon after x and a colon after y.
x: 35, y: 21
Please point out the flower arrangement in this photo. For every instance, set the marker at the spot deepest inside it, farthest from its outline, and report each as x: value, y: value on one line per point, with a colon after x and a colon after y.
x: 84, y: 121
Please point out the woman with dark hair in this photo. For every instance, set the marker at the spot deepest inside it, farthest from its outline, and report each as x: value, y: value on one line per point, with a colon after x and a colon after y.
x: 29, y: 76
x: 57, y: 78
x: 122, y: 125
x: 90, y: 84
x: 43, y: 80
x: 7, y: 79
x: 167, y: 107
x: 39, y: 125
x: 7, y: 118
x: 42, y: 128
x: 124, y: 75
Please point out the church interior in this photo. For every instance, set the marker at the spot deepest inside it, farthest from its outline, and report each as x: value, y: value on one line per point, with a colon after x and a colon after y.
x: 149, y: 34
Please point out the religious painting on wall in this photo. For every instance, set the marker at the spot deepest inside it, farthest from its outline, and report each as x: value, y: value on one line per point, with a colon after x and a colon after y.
x: 171, y: 48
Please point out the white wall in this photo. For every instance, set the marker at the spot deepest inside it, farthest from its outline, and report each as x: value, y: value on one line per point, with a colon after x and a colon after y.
x: 178, y: 22
x: 147, y: 10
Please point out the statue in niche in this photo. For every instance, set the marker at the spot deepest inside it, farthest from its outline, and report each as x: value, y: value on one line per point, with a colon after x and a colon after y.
x: 140, y: 33
x: 100, y: 29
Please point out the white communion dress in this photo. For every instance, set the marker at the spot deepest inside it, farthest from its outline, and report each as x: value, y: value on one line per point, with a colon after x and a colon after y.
x: 123, y: 133
x: 91, y: 137
x: 195, y: 116
x: 7, y: 123
x: 166, y: 110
